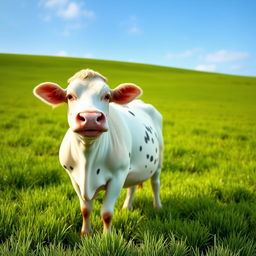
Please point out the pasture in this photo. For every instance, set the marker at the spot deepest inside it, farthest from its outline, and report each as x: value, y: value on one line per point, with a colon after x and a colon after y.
x: 208, y: 181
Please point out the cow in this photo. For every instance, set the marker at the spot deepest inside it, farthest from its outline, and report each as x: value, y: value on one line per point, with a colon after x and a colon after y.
x: 114, y: 141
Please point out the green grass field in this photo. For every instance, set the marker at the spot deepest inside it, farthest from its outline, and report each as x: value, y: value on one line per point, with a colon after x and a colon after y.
x: 208, y: 187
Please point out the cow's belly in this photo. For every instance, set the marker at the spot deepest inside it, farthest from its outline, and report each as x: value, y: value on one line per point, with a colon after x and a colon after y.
x: 135, y: 178
x: 142, y: 171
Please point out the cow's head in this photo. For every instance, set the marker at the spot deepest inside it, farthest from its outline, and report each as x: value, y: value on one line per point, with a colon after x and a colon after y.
x: 88, y: 97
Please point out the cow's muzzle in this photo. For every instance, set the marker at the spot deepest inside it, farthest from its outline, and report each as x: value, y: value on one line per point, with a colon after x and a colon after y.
x: 91, y: 123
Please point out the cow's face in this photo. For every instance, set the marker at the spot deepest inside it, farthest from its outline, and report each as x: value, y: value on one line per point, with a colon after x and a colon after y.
x: 88, y: 106
x: 88, y: 102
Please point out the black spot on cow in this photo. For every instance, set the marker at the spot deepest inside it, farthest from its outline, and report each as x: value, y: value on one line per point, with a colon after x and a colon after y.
x: 131, y: 112
x: 148, y: 129
x: 151, y: 158
x: 65, y: 166
x: 98, y: 171
x: 129, y: 154
x: 71, y: 168
x: 151, y: 171
x: 147, y: 156
x: 140, y: 148
x: 152, y: 140
x: 146, y: 166
x: 156, y: 150
x: 155, y: 161
x: 146, y: 137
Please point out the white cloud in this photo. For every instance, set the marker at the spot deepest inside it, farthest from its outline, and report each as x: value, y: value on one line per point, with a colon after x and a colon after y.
x: 71, y: 11
x: 226, y: 56
x: 184, y: 54
x: 66, y: 9
x: 62, y: 53
x: 133, y: 26
x: 54, y: 3
x: 134, y: 30
x: 209, y: 67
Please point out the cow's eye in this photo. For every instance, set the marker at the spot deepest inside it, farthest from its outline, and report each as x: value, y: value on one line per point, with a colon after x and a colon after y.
x: 107, y: 97
x: 70, y: 97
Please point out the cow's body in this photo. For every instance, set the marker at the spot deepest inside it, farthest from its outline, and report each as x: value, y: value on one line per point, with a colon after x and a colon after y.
x: 127, y: 155
x: 132, y: 146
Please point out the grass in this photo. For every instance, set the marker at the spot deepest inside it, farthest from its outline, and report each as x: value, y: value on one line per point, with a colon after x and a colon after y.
x: 208, y: 180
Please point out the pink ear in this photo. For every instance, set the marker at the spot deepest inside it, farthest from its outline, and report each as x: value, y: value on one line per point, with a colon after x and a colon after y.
x: 125, y: 93
x: 50, y: 93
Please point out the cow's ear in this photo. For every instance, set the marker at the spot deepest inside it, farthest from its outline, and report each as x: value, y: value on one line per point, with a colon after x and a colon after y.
x: 50, y: 93
x: 125, y: 93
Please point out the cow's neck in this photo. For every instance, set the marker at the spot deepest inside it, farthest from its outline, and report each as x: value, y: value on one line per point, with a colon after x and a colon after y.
x: 89, y: 145
x: 88, y: 155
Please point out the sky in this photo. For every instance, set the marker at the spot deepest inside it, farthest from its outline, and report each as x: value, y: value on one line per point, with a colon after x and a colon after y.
x: 216, y: 36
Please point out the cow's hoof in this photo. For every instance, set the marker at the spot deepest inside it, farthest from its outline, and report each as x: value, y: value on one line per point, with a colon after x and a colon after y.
x: 127, y: 207
x: 84, y: 233
x: 158, y: 206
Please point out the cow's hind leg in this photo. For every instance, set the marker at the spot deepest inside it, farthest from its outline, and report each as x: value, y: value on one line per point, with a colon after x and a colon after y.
x: 155, y: 183
x: 155, y: 179
x: 129, y: 196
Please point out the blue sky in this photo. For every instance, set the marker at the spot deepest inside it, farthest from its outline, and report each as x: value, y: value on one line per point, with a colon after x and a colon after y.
x: 216, y: 36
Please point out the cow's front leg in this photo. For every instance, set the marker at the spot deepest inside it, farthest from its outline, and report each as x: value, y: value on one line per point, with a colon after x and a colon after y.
x: 86, y: 208
x: 107, y: 210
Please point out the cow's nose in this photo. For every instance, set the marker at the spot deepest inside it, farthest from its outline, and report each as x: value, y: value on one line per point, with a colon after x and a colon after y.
x: 91, y: 118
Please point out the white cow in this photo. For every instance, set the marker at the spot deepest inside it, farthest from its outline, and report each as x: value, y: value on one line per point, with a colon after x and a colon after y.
x: 113, y: 141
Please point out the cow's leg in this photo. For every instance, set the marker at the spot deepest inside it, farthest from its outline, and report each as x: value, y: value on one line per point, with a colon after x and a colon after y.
x: 129, y: 196
x: 155, y: 183
x: 113, y: 190
x: 155, y: 179
x: 86, y: 208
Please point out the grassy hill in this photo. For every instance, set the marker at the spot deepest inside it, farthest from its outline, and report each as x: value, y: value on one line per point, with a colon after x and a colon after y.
x: 208, y: 185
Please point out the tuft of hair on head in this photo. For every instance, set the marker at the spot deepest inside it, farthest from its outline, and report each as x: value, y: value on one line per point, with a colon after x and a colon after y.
x: 86, y: 74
